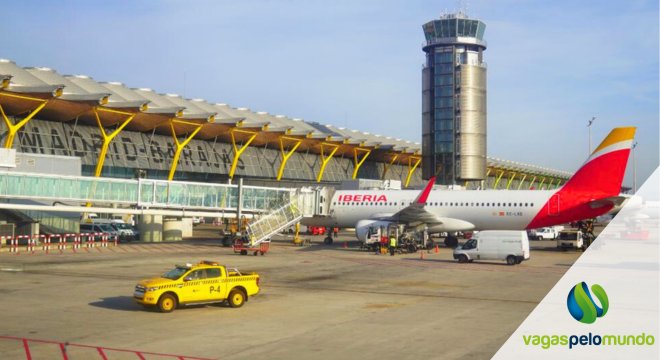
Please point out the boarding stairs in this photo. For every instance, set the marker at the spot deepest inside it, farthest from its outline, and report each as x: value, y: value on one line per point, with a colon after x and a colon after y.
x: 300, y: 204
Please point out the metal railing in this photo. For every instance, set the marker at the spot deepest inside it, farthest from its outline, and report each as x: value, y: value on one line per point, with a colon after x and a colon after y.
x: 35, y: 348
x: 274, y: 222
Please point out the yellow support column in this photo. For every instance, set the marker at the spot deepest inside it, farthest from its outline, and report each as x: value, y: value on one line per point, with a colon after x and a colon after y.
x: 239, y: 151
x: 325, y: 160
x: 411, y: 168
x: 531, y: 184
x: 356, y: 163
x: 522, y: 181
x: 508, y: 184
x: 387, y: 166
x: 558, y: 183
x: 497, y: 182
x: 287, y: 155
x: 108, y: 138
x: 484, y: 183
x: 550, y: 183
x: 541, y: 184
x: 180, y: 145
x: 12, y: 129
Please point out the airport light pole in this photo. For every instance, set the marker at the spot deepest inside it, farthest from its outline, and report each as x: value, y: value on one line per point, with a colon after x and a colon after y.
x: 593, y: 118
x: 634, y: 168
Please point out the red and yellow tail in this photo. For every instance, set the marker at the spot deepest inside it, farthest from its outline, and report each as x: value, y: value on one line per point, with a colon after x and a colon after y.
x: 586, y: 193
x: 603, y: 171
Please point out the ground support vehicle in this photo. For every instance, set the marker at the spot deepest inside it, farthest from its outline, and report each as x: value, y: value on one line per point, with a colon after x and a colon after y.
x: 546, y: 233
x: 228, y: 238
x: 573, y: 239
x: 408, y: 240
x: 408, y: 243
x: 244, y: 247
x: 204, y: 283
x: 316, y: 230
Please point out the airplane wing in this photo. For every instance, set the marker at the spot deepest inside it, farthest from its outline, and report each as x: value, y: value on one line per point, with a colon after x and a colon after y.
x: 417, y: 214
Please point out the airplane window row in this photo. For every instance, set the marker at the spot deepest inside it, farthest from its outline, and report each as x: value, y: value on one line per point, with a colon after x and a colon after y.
x: 450, y: 204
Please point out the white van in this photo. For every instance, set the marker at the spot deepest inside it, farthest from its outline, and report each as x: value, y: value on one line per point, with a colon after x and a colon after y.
x: 511, y: 246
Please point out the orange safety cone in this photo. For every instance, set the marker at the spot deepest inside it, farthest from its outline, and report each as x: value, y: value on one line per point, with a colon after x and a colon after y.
x: 436, y: 249
x: 421, y: 255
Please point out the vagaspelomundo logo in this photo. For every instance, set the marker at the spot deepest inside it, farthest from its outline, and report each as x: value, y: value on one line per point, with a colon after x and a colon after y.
x: 583, y: 308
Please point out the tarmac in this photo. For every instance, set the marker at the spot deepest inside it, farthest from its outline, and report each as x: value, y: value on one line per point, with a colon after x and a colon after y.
x: 316, y: 302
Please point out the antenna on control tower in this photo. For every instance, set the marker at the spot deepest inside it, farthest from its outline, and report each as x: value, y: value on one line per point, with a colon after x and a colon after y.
x: 463, y: 7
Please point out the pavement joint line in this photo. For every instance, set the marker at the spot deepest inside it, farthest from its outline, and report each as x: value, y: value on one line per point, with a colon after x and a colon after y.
x: 406, y: 294
x: 431, y: 264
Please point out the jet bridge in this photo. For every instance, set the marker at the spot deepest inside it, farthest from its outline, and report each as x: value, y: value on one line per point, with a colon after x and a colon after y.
x: 276, y: 208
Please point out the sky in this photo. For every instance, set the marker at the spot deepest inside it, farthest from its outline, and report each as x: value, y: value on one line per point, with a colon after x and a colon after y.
x: 552, y: 65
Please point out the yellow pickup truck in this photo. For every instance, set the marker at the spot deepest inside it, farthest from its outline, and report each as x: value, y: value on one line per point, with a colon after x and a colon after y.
x: 192, y: 284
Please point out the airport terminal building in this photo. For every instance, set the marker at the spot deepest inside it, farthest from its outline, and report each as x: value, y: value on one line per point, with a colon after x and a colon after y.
x: 121, y: 132
x: 75, y: 126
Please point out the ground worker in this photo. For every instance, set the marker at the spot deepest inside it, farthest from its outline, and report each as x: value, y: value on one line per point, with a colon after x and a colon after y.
x: 392, y: 245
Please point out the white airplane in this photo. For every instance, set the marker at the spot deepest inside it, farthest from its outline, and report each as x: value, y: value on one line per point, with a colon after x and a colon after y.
x: 592, y: 191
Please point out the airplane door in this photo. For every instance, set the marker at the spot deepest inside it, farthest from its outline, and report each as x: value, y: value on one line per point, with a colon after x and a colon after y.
x: 553, y: 205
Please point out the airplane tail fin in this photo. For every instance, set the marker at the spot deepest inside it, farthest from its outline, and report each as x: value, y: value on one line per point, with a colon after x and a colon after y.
x: 421, y: 198
x: 593, y: 190
x: 603, y: 171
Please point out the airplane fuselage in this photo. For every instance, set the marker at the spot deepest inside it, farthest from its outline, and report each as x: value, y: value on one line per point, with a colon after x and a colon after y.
x: 486, y: 209
x: 592, y: 191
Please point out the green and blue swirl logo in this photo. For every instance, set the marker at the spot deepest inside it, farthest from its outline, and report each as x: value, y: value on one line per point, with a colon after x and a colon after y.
x: 582, y: 306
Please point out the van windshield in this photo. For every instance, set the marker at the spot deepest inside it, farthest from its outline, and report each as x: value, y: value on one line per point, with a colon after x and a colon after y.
x: 122, y: 226
x: 470, y: 244
x: 106, y: 227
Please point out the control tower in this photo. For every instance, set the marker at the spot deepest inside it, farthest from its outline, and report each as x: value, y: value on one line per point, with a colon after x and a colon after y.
x: 454, y: 100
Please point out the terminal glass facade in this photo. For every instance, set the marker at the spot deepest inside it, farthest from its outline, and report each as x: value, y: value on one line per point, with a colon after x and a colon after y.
x: 149, y: 155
